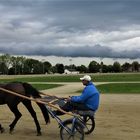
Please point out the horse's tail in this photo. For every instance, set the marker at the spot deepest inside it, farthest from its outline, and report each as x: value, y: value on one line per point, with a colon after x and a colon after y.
x: 31, y: 91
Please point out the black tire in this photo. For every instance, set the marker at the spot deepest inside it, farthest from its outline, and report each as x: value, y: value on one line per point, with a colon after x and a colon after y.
x: 89, y: 123
x: 78, y: 133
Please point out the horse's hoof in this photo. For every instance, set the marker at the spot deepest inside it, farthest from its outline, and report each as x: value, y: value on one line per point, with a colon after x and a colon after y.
x: 11, y: 131
x: 2, y: 130
x: 39, y: 133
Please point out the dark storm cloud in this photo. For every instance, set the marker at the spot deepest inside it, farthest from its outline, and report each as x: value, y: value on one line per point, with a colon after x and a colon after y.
x: 79, y: 14
x: 94, y: 51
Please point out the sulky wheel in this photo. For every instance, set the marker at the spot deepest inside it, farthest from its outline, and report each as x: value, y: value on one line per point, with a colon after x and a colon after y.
x: 72, y: 131
x: 89, y: 124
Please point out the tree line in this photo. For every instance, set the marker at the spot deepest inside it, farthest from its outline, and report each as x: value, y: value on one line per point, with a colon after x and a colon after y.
x: 12, y: 65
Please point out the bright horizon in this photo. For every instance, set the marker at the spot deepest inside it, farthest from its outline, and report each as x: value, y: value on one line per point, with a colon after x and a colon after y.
x: 80, y: 60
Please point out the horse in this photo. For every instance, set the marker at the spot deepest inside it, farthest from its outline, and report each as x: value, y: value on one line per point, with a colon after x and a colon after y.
x: 12, y: 101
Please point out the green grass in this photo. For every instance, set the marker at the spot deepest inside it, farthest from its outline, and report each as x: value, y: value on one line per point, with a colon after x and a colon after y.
x: 106, y: 88
x: 45, y: 86
x: 75, y: 78
x: 118, y: 88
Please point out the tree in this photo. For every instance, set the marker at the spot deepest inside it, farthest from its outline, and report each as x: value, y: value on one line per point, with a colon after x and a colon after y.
x: 82, y: 69
x: 53, y: 69
x: 105, y: 69
x: 94, y: 67
x: 32, y: 66
x: 101, y: 67
x: 47, y: 66
x: 3, y: 68
x: 5, y: 63
x: 27, y: 69
x: 21, y: 62
x: 60, y: 68
x: 135, y: 66
x: 17, y: 64
x: 116, y: 67
x: 126, y: 66
x: 110, y: 68
x: 37, y: 67
x: 70, y: 67
x: 13, y: 69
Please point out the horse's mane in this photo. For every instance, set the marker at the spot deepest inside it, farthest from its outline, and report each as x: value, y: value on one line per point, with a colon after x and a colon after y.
x: 30, y: 90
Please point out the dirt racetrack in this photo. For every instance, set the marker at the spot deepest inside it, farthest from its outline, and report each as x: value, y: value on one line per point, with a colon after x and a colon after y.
x: 118, y: 118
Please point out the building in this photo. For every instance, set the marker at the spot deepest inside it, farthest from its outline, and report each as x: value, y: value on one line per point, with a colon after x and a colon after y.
x: 66, y: 71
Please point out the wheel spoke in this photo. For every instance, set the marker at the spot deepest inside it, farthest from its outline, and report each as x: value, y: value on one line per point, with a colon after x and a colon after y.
x: 87, y: 119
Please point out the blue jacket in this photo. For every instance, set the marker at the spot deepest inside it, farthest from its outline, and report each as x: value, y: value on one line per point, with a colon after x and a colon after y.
x: 89, y: 96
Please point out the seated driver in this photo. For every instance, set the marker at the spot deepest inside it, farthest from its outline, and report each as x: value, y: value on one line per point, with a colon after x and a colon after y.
x: 88, y: 100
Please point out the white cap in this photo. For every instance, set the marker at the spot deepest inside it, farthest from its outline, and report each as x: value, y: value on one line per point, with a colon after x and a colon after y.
x: 86, y: 77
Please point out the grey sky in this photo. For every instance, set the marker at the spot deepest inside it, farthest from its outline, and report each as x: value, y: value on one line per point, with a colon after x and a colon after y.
x: 73, y: 28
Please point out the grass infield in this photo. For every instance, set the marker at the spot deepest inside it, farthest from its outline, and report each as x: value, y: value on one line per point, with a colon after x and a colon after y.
x: 45, y: 86
x: 104, y: 88
x: 118, y: 88
x: 112, y: 77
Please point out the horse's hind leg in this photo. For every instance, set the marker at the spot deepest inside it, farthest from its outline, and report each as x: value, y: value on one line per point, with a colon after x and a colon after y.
x: 17, y: 114
x: 1, y: 129
x: 28, y: 105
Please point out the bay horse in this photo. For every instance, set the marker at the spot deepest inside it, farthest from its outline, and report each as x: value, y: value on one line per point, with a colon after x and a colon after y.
x: 12, y: 101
